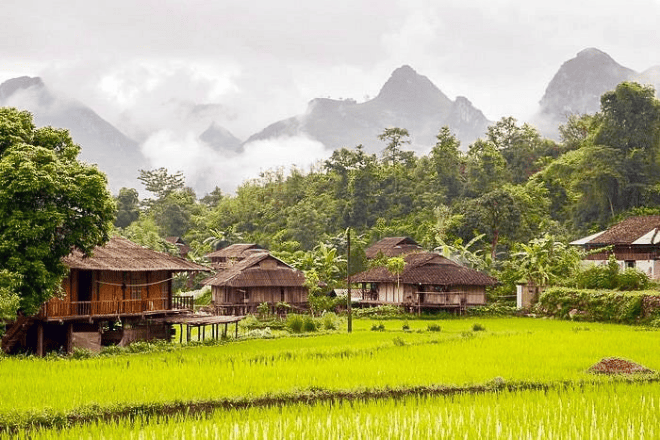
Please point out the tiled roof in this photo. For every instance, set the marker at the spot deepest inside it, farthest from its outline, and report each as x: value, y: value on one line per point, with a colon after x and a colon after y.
x: 121, y: 254
x: 392, y: 247
x: 249, y: 273
x: 631, y: 231
x: 427, y: 268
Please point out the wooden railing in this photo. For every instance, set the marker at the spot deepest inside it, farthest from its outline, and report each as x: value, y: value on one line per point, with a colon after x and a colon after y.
x: 183, y: 302
x: 57, y: 308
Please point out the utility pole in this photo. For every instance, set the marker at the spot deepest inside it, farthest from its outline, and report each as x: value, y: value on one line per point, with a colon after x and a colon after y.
x: 348, y: 280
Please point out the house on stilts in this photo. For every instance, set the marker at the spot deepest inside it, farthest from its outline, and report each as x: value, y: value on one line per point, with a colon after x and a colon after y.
x: 115, y: 296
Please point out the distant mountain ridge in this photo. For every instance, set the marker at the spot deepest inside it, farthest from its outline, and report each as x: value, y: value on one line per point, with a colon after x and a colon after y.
x: 118, y: 156
x: 579, y: 83
x: 407, y: 100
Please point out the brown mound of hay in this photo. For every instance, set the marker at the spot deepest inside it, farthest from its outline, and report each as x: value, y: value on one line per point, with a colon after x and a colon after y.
x: 618, y: 366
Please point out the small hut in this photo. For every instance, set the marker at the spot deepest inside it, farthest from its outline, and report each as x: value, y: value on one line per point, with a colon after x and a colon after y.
x: 258, y: 278
x: 428, y: 281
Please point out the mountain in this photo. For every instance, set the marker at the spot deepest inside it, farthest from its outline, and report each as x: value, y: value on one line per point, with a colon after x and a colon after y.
x: 407, y: 100
x: 221, y: 139
x: 577, y: 87
x: 118, y: 156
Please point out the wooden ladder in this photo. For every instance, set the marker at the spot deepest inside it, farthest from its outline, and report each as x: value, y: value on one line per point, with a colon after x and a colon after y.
x: 15, y: 331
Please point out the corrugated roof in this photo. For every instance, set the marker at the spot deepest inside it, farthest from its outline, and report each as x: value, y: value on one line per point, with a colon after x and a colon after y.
x: 633, y: 230
x: 249, y: 273
x: 234, y: 250
x: 427, y: 268
x: 392, y: 247
x: 122, y: 255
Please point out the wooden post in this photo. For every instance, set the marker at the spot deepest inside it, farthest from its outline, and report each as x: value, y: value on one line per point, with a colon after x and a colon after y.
x: 69, y: 338
x: 236, y: 329
x: 40, y: 339
x: 348, y: 281
x: 225, y: 332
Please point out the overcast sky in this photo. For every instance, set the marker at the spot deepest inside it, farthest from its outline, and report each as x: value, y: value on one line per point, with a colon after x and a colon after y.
x: 139, y: 63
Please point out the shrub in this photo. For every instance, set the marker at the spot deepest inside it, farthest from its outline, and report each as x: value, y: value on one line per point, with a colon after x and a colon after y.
x: 433, y: 328
x: 309, y: 325
x: 476, y: 327
x: 263, y: 310
x: 405, y: 325
x: 329, y: 321
x: 398, y: 341
x: 294, y: 323
x: 380, y: 327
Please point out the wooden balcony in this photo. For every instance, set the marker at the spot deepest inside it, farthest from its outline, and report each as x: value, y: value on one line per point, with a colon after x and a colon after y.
x: 56, y: 308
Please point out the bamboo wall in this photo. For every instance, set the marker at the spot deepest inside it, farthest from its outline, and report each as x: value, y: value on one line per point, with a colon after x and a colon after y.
x: 258, y: 295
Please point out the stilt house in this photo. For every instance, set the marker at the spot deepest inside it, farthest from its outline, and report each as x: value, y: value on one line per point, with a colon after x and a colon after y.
x: 121, y: 282
x: 257, y: 278
x: 428, y: 281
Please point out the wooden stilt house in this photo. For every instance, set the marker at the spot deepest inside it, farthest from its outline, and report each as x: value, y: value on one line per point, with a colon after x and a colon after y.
x: 113, y: 296
x: 258, y: 278
x: 428, y: 281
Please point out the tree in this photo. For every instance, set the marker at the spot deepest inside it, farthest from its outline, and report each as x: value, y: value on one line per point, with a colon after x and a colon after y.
x: 128, y: 205
x: 396, y: 266
x: 50, y: 204
x: 160, y: 182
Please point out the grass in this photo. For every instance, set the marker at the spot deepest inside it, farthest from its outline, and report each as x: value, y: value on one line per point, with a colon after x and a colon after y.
x: 513, y: 349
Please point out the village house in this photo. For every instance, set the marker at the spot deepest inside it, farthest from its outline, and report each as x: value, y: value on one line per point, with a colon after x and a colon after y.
x: 634, y: 242
x: 257, y: 278
x: 392, y: 247
x: 227, y: 256
x: 117, y: 295
x: 428, y: 281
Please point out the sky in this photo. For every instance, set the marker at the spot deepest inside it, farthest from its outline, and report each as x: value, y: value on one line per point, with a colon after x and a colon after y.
x: 146, y: 65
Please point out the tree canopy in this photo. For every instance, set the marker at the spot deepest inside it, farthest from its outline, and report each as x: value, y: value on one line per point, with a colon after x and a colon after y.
x: 50, y: 204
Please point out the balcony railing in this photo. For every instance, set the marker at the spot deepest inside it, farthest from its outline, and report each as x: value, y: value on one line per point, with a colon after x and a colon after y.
x: 57, y: 308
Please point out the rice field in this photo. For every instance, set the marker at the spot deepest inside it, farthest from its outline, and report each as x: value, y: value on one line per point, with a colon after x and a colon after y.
x: 510, y: 350
x: 601, y: 411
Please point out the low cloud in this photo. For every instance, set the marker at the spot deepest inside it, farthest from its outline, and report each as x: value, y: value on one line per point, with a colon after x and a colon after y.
x: 205, y: 168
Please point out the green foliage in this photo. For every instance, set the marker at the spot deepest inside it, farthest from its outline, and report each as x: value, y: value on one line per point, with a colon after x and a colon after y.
x: 609, y: 276
x: 385, y: 311
x: 433, y: 328
x: 379, y: 327
x: 595, y: 305
x: 309, y: 324
x: 295, y: 322
x: 476, y: 327
x: 50, y: 204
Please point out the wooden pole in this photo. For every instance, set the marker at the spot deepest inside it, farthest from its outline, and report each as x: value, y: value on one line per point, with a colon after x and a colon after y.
x: 348, y: 281
x: 40, y: 339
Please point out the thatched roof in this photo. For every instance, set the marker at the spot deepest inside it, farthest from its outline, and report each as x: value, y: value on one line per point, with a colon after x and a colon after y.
x: 392, y: 247
x: 238, y: 250
x: 258, y: 270
x: 643, y: 230
x: 427, y: 268
x: 122, y: 255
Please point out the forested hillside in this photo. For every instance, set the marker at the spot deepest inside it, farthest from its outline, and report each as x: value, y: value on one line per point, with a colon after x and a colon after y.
x: 510, y: 187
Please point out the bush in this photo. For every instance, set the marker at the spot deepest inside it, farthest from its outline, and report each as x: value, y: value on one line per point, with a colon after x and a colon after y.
x: 386, y: 311
x: 598, y: 305
x: 476, y: 327
x: 608, y: 276
x: 398, y: 341
x: 405, y: 325
x: 380, y: 327
x: 294, y: 323
x: 433, y: 328
x: 309, y: 325
x: 329, y: 321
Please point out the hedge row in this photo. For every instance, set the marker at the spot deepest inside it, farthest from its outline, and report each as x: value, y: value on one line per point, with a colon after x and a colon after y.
x: 641, y: 307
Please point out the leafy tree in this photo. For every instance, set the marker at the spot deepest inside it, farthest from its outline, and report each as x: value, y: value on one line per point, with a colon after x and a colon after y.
x: 396, y: 266
x: 448, y: 165
x: 160, y: 182
x: 50, y: 204
x: 128, y: 204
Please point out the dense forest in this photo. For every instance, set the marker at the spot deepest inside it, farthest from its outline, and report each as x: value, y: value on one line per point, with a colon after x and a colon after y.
x: 510, y: 187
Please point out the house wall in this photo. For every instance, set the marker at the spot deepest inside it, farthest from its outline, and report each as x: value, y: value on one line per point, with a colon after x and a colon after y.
x: 408, y: 293
x: 649, y: 267
x: 114, y: 293
x: 258, y: 295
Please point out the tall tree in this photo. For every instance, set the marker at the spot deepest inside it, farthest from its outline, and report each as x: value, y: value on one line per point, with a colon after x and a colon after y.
x: 50, y: 204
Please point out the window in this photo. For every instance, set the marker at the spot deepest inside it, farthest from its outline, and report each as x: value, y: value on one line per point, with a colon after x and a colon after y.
x: 136, y: 288
x: 630, y: 264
